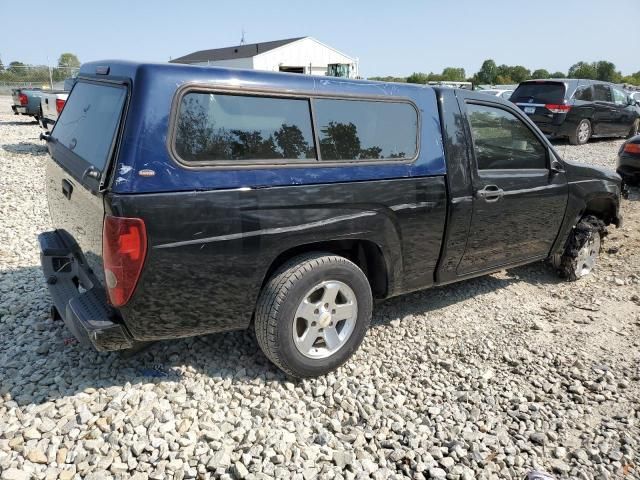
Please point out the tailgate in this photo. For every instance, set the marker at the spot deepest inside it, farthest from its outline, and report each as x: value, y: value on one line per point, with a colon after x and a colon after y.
x: 49, y: 104
x: 81, y: 145
x: 46, y: 101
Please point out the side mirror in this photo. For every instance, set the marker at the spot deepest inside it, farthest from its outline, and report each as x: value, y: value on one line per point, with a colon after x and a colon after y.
x: 556, y: 167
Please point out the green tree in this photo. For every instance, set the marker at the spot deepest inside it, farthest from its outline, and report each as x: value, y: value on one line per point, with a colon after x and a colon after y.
x: 503, y: 80
x: 17, y: 68
x: 606, y: 71
x: 558, y: 75
x: 519, y: 74
x: 68, y: 60
x: 633, y: 79
x: 453, y: 74
x: 540, y: 73
x: 583, y: 70
x: 487, y: 73
x: 418, y: 77
x: 389, y: 79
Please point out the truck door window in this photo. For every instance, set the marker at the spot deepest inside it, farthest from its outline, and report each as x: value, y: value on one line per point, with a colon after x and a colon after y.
x: 225, y: 127
x: 502, y: 141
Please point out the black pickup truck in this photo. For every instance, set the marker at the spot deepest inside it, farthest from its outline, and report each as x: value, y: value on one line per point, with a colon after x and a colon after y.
x: 190, y: 200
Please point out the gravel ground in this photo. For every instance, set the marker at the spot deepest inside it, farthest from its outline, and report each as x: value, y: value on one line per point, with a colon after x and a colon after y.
x: 488, y: 378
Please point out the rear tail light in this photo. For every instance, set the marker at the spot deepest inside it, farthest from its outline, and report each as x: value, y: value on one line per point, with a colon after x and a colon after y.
x: 632, y: 148
x: 59, y: 105
x: 124, y: 248
x: 23, y: 99
x: 557, y: 108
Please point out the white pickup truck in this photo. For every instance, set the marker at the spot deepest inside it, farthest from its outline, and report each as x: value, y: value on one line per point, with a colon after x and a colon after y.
x: 51, y: 104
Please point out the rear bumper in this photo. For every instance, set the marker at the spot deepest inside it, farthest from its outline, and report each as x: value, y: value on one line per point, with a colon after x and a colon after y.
x: 78, y: 296
x: 17, y: 109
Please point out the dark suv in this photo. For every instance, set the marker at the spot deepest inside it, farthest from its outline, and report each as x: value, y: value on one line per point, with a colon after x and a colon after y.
x: 578, y: 109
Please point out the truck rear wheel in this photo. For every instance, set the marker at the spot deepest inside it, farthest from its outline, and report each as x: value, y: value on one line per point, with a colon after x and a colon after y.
x: 582, y: 133
x: 583, y: 249
x: 313, y: 313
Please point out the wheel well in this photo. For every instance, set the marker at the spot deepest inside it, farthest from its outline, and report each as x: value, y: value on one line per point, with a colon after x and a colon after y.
x: 364, y: 253
x: 603, y: 208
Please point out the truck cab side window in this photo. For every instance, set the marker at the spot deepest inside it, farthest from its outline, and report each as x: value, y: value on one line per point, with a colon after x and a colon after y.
x: 502, y: 141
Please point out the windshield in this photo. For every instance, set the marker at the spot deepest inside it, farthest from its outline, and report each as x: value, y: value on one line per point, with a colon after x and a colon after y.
x: 543, y: 92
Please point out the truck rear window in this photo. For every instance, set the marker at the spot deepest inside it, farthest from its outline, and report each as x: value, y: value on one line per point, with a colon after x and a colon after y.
x: 89, y: 121
x: 544, y: 92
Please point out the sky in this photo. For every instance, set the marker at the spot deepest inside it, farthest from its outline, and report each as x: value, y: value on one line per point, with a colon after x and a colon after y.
x: 391, y: 37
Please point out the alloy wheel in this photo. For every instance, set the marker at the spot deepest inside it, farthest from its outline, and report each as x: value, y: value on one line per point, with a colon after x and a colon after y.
x: 588, y: 255
x: 325, y: 319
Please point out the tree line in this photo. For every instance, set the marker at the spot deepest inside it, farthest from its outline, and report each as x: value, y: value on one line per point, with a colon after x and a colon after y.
x: 492, y: 74
x: 17, y: 71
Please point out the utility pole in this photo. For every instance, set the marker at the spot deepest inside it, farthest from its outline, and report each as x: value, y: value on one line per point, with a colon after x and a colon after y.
x: 50, y: 74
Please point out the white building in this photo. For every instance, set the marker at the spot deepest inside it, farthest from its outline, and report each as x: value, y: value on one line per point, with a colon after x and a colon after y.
x: 295, y: 55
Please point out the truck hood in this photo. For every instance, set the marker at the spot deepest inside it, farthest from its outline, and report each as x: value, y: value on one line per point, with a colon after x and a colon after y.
x: 582, y: 171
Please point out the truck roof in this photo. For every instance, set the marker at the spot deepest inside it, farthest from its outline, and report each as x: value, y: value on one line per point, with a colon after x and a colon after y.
x: 302, y: 82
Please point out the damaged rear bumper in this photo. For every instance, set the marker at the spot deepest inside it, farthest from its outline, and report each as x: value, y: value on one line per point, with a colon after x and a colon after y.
x: 78, y: 296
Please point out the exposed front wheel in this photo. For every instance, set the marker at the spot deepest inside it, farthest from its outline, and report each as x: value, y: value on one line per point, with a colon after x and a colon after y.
x: 582, y: 133
x: 583, y: 249
x: 313, y: 313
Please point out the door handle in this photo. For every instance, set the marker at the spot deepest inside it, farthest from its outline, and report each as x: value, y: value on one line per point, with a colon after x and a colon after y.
x: 490, y: 193
x: 67, y: 188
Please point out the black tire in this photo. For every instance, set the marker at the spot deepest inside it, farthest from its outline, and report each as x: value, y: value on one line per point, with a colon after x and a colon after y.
x: 634, y: 129
x: 576, y: 138
x: 278, y: 303
x: 583, y: 234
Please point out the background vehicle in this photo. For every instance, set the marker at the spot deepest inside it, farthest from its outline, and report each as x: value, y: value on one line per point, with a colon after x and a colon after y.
x: 635, y: 95
x: 223, y: 210
x: 629, y: 161
x: 505, y: 94
x: 51, y: 104
x: 578, y: 109
x: 26, y: 101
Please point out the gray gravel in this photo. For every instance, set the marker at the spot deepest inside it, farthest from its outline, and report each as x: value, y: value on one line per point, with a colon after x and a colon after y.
x: 488, y: 378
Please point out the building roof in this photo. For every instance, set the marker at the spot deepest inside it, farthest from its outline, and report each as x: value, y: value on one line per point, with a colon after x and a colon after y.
x: 237, y: 51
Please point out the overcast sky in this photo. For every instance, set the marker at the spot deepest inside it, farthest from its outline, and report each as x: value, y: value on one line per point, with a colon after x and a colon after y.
x: 392, y: 37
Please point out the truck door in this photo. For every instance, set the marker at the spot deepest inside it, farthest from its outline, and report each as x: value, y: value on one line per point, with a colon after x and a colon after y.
x: 518, y: 199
